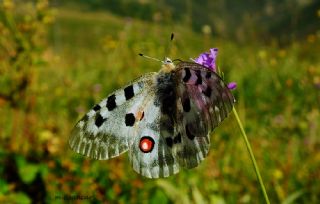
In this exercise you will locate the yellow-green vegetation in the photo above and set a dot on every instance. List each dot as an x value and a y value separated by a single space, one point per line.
55 64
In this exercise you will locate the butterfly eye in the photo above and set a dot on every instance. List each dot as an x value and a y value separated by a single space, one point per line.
146 144
167 60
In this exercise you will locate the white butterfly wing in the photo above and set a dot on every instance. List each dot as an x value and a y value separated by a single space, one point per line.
149 155
106 130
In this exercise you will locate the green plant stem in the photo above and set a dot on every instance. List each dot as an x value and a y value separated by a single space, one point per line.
251 156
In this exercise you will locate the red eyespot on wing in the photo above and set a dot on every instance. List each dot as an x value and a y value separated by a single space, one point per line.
146 144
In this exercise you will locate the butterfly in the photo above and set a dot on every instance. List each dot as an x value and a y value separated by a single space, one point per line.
164 119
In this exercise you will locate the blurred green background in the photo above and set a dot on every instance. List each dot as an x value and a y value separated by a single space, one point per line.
58 58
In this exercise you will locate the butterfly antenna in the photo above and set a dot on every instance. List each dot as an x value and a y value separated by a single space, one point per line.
170 44
166 60
172 36
148 57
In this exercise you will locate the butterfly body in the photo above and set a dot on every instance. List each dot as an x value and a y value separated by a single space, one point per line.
164 119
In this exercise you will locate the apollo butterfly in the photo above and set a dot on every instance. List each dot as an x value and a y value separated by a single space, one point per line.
163 119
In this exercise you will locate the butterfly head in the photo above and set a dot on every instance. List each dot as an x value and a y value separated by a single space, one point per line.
167 65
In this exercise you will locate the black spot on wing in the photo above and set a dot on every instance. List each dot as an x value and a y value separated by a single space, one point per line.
187 75
208 75
207 92
128 92
199 78
111 102
169 141
186 105
97 107
177 139
189 134
99 120
130 119
142 115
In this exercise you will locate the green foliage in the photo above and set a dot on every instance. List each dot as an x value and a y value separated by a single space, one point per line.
18 197
66 67
22 43
27 172
241 20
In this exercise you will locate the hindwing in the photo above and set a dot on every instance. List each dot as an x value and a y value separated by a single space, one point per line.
203 101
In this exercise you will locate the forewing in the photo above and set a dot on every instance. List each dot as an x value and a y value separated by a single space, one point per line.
107 129
204 101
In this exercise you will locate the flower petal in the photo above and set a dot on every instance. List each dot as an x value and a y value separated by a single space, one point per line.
232 85
208 59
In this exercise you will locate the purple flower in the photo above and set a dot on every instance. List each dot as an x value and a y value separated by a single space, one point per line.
232 85
208 59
